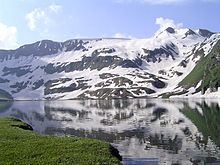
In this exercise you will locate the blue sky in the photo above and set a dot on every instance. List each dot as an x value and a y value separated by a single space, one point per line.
27 21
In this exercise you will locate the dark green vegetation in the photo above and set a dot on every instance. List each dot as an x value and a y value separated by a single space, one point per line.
19 145
5 105
207 70
5 95
208 123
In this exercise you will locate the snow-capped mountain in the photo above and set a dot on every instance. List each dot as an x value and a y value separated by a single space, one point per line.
172 63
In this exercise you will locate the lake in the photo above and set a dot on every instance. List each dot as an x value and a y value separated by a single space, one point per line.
156 131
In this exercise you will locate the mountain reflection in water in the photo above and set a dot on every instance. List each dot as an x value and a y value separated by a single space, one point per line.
172 131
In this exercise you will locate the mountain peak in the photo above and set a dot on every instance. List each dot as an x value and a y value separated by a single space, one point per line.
108 69
205 33
170 30
190 32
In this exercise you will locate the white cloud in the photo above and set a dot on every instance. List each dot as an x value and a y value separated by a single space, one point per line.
154 2
121 35
55 8
8 36
34 17
165 23
41 16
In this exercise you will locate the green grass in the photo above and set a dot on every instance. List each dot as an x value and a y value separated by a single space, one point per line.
19 146
206 70
195 75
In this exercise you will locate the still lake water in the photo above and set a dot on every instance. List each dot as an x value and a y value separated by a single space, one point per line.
161 131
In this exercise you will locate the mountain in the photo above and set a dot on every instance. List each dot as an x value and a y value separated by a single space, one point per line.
173 63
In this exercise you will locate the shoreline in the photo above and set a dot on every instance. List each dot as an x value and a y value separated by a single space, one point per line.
21 145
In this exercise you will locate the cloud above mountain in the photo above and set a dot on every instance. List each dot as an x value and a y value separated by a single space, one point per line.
8 36
39 16
122 35
165 23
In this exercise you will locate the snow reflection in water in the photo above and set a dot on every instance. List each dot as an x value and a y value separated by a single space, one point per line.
173 132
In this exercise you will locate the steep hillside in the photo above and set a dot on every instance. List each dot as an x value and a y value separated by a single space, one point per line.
206 74
113 68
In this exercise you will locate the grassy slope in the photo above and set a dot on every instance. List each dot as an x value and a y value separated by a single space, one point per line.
19 146
207 70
